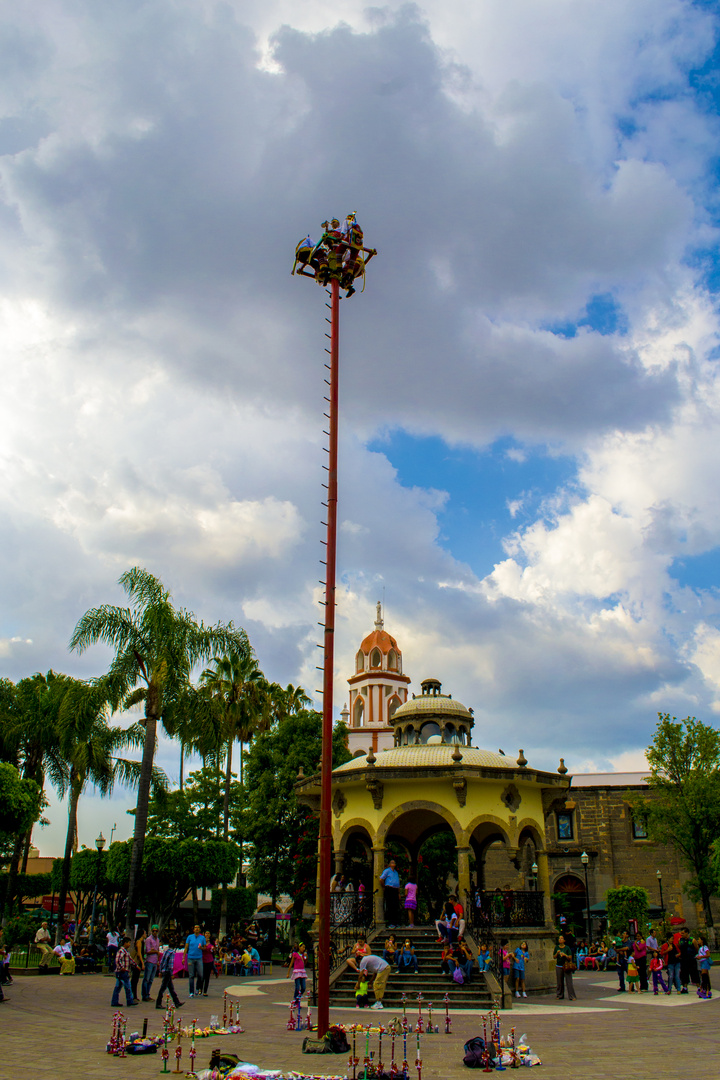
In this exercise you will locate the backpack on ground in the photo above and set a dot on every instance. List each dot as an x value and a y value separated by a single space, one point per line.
474 1050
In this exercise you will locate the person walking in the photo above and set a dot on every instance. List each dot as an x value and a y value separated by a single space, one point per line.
165 970
137 963
622 948
122 976
563 970
208 959
43 941
656 969
113 943
152 959
704 961
194 945
390 880
296 968
639 953
379 971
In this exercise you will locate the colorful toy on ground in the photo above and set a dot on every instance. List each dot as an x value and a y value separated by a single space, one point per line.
338 255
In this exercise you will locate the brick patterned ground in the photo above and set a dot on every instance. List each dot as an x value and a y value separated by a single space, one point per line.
56 1028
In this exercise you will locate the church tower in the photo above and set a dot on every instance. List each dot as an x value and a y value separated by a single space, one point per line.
377 689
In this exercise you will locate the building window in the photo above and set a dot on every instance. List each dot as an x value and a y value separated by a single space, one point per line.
565 826
375 658
392 660
359 712
359 662
639 832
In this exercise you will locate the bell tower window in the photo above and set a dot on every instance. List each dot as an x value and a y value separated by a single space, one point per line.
359 661
375 658
392 660
358 712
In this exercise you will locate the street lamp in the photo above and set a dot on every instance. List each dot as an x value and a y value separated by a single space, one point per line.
585 859
534 872
99 844
662 904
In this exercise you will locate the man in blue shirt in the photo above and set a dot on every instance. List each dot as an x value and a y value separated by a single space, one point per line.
391 884
194 945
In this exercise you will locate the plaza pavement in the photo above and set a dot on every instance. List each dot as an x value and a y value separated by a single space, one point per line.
56 1028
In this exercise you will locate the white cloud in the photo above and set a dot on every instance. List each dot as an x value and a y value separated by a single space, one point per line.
163 381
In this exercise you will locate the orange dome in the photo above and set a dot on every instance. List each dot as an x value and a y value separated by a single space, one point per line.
379 639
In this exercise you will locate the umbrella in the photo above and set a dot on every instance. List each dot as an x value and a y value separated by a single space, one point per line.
676 921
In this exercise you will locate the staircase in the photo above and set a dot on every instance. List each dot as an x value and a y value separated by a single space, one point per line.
430 981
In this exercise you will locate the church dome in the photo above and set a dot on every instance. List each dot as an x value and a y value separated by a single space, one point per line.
379 650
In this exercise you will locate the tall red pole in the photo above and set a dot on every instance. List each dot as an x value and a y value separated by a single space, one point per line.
325 843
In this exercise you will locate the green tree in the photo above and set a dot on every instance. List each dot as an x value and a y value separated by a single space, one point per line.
20 803
625 903
277 827
169 868
30 739
156 648
683 804
241 697
88 745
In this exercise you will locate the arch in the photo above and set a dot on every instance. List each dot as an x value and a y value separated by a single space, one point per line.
393 704
392 660
375 658
355 827
359 660
569 883
449 733
359 711
430 727
414 810
532 829
486 827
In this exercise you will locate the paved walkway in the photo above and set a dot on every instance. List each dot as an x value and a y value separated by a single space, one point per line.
56 1028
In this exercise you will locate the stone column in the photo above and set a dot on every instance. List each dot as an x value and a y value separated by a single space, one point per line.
378 867
339 856
543 884
463 858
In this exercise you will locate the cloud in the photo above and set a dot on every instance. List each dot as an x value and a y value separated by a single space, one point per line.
163 372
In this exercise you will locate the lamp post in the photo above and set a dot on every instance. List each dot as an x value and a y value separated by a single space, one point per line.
662 904
99 844
585 859
534 872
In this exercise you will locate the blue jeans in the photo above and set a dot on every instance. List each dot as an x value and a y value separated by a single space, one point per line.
300 985
122 978
622 966
673 971
408 963
150 973
195 971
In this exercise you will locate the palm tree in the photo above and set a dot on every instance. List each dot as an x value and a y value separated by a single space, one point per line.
156 648
289 701
238 691
30 736
88 745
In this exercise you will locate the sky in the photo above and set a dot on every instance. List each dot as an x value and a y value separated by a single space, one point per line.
530 400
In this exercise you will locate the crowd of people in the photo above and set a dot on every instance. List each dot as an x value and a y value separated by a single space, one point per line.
675 963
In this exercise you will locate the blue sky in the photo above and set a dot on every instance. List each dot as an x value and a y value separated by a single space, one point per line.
530 392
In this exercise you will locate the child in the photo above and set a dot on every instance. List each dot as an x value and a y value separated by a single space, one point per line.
633 976
297 967
704 962
656 966
362 996
484 958
521 955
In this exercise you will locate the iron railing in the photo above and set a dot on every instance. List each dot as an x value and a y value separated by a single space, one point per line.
507 909
481 928
352 915
27 956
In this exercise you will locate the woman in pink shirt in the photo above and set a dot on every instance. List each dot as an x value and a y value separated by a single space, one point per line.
411 898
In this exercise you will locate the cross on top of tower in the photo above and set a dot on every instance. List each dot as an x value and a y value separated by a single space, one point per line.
379 619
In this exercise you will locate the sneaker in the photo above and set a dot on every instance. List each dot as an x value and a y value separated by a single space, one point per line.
524 994
377 1005
655 993
179 1004
517 993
